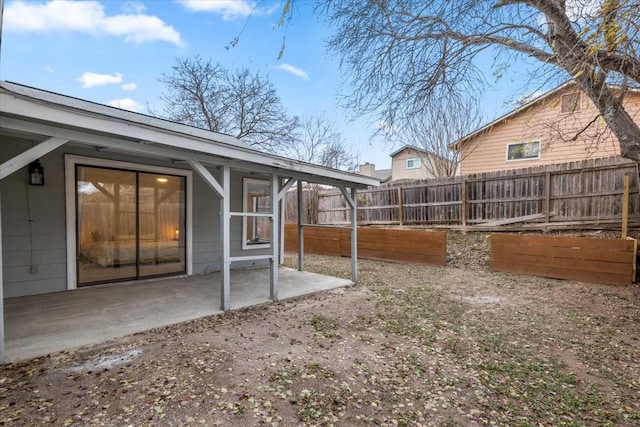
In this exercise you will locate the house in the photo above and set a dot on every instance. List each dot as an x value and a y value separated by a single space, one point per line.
410 163
91 194
559 126
369 169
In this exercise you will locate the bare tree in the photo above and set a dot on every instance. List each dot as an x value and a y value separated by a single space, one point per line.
206 95
401 56
319 142
434 129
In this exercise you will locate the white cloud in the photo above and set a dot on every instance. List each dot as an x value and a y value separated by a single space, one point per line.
293 70
126 104
92 79
129 86
134 7
228 9
87 17
48 69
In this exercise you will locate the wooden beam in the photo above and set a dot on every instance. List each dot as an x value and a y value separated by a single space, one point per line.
463 201
275 237
354 236
349 198
1 296
32 154
286 187
625 207
225 237
207 176
400 207
524 218
167 145
300 227
547 196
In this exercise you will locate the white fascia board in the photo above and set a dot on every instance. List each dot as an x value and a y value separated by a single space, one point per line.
158 151
77 104
90 122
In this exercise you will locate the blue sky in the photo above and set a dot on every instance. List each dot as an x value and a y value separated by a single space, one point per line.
113 52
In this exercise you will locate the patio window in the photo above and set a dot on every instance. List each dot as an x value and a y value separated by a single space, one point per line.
256 204
413 163
523 151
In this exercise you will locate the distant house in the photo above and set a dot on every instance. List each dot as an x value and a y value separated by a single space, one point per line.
369 169
407 163
559 126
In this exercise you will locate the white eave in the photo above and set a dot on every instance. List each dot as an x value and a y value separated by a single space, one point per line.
455 145
87 122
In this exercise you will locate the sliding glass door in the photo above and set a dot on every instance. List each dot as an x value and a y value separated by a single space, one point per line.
130 224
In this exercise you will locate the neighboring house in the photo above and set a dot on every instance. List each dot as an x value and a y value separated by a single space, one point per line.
93 194
369 169
407 163
559 126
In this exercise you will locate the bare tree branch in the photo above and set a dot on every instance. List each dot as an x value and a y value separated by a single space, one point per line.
402 57
206 95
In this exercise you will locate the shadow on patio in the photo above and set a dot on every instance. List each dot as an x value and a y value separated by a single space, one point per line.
41 324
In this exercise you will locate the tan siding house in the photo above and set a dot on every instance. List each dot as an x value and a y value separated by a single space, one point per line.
407 164
557 127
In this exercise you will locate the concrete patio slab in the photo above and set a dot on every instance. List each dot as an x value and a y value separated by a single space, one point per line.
41 324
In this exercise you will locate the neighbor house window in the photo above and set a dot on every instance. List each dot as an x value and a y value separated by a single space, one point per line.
413 163
523 150
570 103
256 199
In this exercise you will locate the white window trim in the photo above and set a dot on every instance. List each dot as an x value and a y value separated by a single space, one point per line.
412 159
245 182
70 162
506 156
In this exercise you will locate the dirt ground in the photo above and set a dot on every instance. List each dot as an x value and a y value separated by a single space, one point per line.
408 345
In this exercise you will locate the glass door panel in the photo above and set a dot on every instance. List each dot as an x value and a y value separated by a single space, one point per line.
130 225
161 220
106 215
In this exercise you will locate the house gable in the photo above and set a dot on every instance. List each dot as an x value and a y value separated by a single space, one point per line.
560 126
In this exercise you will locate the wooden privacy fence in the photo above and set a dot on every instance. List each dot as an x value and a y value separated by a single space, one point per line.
578 258
576 192
410 246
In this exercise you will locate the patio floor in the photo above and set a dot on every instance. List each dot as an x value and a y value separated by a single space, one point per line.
41 324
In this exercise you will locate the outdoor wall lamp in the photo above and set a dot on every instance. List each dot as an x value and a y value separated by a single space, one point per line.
36 173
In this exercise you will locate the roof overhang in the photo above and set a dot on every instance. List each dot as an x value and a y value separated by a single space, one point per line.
25 110
456 145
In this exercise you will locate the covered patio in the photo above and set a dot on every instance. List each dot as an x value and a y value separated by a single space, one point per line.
37 325
127 198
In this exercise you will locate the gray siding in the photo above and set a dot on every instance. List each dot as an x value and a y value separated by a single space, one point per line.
43 245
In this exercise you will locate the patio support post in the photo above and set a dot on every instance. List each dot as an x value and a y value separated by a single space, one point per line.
354 236
300 228
225 237
352 201
1 296
275 236
224 191
282 199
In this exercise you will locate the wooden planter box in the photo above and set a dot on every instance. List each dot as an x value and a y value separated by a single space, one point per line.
385 244
578 258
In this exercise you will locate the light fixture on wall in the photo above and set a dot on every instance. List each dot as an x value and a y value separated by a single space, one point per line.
177 235
36 173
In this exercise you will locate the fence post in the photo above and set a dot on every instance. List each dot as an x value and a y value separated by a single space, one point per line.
463 201
625 207
400 207
547 196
